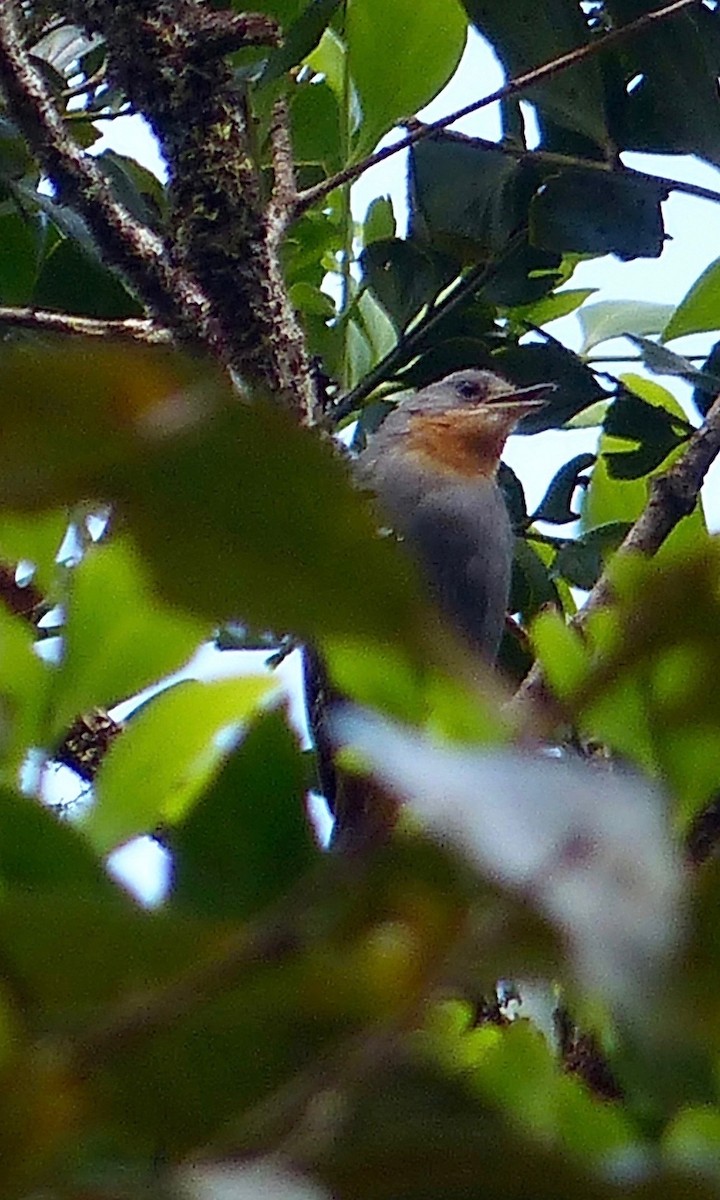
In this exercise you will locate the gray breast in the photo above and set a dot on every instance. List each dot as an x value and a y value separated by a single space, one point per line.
459 533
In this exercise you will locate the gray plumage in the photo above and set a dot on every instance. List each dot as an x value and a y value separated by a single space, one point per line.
454 523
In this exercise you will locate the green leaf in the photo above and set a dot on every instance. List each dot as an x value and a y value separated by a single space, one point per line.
379 223
532 586
704 393
315 126
136 187
613 318
246 841
699 310
71 280
115 649
40 852
593 212
525 35
402 276
466 198
35 537
656 431
551 308
300 38
23 695
609 499
427 41
155 771
582 560
19 253
674 57
556 504
576 387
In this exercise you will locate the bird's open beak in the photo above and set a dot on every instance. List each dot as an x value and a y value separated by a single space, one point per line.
522 400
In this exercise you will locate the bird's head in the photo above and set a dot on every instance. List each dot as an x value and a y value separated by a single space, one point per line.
461 423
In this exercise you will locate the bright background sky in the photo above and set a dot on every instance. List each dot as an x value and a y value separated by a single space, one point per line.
693 228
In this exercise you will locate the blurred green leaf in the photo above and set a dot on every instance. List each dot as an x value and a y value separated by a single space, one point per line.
157 769
35 537
40 852
246 841
113 650
379 223
23 695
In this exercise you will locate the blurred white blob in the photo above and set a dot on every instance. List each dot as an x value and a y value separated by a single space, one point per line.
261 1180
590 848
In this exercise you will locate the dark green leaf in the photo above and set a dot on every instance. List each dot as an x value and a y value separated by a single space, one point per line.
576 387
705 393
40 852
556 505
656 430
300 38
402 276
514 494
662 361
246 841
525 35
137 189
582 561
467 198
594 212
673 59
20 240
532 585
72 281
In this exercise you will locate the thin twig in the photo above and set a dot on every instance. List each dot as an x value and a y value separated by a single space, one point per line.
512 88
673 495
135 329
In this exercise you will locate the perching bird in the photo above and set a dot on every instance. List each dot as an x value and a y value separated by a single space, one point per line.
433 466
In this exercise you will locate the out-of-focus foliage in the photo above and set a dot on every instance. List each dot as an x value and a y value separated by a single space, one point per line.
287 1022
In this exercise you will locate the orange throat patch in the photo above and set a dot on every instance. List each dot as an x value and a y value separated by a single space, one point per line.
461 442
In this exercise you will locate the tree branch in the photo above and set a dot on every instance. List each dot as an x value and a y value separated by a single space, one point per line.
673 495
512 88
138 253
42 321
168 60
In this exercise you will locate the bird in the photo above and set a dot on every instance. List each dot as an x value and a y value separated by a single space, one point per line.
432 467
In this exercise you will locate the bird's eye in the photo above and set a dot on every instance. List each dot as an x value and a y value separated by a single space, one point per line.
467 389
